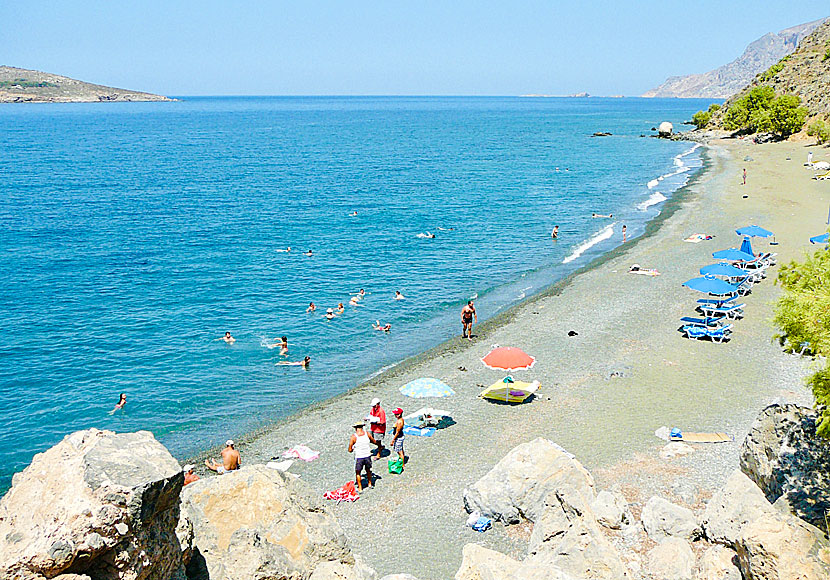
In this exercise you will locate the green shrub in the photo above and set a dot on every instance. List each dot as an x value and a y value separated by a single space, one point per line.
803 315
820 130
701 119
761 110
771 72
826 55
787 116
714 107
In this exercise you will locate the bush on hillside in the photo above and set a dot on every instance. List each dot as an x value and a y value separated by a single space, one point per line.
803 315
773 70
820 130
826 55
702 118
761 110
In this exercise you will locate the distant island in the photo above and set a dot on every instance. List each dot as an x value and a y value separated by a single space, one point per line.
20 85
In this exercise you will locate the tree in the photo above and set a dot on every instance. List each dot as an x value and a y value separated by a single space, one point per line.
761 110
820 130
701 119
803 315
786 115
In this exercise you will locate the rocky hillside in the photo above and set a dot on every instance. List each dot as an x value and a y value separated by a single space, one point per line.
805 73
19 85
725 81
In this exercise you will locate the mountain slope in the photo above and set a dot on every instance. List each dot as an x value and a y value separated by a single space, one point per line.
730 78
19 85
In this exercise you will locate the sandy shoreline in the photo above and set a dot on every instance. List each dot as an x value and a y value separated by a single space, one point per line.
627 324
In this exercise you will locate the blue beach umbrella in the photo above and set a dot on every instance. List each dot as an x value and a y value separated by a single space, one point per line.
426 387
822 239
754 231
722 269
733 255
746 246
710 285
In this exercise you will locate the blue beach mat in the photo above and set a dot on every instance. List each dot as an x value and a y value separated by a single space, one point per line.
419 431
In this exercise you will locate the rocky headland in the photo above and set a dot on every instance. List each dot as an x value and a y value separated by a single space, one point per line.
101 505
19 85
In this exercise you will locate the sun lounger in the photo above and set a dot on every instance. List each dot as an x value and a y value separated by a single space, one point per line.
701 332
822 176
731 311
719 301
708 322
745 287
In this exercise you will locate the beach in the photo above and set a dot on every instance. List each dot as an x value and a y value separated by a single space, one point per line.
605 391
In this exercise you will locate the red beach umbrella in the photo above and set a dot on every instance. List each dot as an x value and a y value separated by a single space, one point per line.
508 358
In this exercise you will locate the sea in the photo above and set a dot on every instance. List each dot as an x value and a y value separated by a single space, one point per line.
134 235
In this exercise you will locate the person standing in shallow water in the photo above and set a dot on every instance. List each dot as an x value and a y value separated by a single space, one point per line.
625 231
468 314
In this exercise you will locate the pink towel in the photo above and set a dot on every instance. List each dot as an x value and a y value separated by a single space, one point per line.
302 452
346 492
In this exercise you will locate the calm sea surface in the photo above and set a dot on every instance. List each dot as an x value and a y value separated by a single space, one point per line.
133 235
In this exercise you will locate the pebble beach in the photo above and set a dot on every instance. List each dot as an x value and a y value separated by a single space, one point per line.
604 391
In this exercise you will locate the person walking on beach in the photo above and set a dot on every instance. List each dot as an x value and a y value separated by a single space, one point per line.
744 183
625 230
468 314
397 438
360 445
230 460
809 158
555 233
377 424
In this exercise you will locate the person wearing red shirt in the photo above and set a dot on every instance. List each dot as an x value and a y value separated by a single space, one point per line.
377 420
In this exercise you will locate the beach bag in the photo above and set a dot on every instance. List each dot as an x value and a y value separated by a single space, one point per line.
395 465
482 524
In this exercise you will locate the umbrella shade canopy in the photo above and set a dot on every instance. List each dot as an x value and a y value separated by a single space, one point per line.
710 285
426 387
722 269
822 239
510 391
508 358
754 231
733 255
746 247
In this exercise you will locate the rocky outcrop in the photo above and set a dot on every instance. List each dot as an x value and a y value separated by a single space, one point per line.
725 81
611 509
739 502
19 85
718 563
333 570
671 559
517 486
261 523
783 455
98 504
663 519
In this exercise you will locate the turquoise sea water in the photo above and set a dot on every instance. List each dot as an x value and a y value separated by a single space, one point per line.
133 235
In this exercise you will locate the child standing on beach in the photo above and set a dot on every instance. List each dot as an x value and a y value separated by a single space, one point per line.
744 183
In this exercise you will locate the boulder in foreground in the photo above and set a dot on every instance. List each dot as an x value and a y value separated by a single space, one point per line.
99 504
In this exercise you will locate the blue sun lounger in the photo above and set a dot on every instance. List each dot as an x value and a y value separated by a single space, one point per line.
732 311
701 333
708 322
719 301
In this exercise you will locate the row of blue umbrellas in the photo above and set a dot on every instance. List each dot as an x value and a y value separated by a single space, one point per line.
709 283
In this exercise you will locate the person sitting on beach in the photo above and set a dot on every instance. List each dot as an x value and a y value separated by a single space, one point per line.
230 460
227 338
360 445
398 295
599 215
340 308
311 307
122 400
299 363
382 327
555 233
397 438
377 424
308 253
189 476
636 269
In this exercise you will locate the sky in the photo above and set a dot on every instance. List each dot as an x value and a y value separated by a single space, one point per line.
354 47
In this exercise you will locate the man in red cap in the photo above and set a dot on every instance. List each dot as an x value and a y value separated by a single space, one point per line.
377 422
397 438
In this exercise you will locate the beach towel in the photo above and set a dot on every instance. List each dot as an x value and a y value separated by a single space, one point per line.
280 465
302 452
346 492
696 238
419 431
702 437
482 524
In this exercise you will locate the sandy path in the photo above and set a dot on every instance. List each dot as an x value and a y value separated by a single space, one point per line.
415 522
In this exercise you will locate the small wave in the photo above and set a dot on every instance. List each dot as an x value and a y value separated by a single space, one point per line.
653 183
600 236
653 199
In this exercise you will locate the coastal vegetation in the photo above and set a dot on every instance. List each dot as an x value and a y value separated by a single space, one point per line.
773 70
820 130
803 315
760 110
702 118
25 84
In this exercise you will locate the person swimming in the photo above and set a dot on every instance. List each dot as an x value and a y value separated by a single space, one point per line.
227 338
354 301
353 214
299 363
329 313
288 249
311 307
555 233
382 327
398 295
599 215
426 235
340 308
122 400
308 253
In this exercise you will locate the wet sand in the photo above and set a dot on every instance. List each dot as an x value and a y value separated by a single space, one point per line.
627 325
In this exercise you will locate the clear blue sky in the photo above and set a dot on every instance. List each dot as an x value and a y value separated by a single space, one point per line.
447 47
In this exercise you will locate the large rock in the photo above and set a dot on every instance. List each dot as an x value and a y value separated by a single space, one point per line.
479 563
261 523
672 559
610 509
783 455
98 503
663 519
718 563
782 547
517 486
334 570
739 502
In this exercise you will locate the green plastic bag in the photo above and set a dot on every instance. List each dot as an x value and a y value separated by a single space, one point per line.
395 465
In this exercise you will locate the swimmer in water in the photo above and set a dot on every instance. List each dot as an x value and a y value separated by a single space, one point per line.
555 233
446 229
361 293
382 327
283 344
353 214
122 400
599 215
398 295
227 338
288 249
300 363
354 300
311 307
308 253
329 314
340 308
